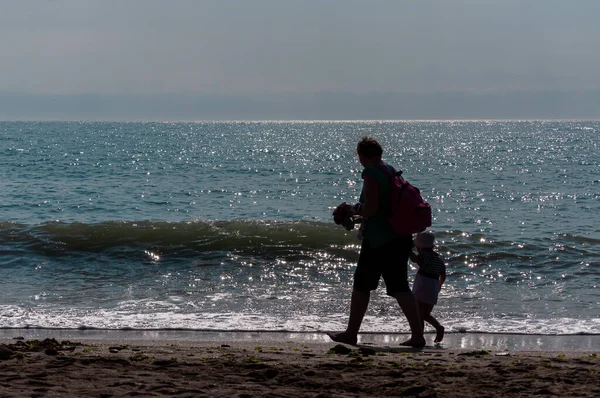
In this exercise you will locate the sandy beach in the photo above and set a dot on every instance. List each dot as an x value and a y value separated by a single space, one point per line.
277 368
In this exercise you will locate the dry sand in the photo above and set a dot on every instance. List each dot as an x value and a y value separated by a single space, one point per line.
102 368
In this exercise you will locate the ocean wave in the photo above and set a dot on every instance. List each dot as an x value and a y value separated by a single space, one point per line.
260 237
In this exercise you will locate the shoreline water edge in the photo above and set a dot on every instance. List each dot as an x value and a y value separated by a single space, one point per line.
452 340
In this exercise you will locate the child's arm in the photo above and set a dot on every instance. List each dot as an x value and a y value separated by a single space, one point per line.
442 279
415 258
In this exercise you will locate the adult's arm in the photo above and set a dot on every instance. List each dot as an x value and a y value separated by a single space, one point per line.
371 191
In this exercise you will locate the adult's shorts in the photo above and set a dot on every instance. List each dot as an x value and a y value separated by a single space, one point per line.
389 261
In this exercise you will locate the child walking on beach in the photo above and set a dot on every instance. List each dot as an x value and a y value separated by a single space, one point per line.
429 280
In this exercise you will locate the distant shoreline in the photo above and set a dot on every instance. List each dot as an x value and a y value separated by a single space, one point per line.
324 105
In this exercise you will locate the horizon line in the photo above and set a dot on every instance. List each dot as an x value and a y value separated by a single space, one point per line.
420 120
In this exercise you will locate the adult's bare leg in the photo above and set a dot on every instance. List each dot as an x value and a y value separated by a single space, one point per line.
358 308
408 304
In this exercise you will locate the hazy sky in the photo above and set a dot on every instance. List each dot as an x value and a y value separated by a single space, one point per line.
288 50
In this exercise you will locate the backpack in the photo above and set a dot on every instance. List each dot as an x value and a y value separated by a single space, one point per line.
409 213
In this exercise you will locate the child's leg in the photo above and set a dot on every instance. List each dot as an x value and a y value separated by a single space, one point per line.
424 312
439 329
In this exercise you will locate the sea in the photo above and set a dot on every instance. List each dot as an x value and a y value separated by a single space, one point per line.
227 226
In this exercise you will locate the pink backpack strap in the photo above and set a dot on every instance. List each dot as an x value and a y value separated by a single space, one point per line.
389 173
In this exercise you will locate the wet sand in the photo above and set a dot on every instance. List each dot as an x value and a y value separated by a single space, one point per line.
251 364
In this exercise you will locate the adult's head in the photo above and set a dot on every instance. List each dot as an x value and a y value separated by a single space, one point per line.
369 151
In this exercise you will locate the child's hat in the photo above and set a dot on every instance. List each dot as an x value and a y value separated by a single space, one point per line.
425 240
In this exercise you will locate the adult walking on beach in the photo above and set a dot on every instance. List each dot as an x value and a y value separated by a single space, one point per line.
382 253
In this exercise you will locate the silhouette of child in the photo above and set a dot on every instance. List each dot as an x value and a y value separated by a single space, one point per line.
429 280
